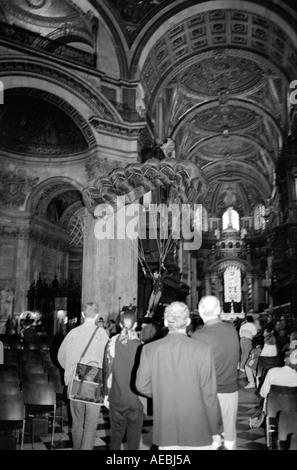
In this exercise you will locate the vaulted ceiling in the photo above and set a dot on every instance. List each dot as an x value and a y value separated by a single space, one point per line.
222 78
215 76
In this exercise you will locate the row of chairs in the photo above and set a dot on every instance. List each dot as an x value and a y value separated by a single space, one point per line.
264 364
31 361
280 399
18 409
15 342
31 389
11 379
287 430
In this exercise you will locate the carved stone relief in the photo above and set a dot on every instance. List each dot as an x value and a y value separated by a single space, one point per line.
14 187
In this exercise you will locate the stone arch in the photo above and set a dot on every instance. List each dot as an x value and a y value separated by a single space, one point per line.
257 109
220 266
75 35
154 30
47 190
241 171
65 109
86 100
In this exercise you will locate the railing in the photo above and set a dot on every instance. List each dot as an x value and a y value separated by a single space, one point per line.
240 254
283 309
22 37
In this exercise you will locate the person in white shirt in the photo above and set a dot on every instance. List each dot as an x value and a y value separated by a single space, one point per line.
270 347
285 376
247 331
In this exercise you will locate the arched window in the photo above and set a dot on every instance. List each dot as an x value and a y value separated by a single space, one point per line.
76 228
230 219
259 217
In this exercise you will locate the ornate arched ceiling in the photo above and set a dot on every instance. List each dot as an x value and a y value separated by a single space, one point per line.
217 84
215 76
54 19
36 122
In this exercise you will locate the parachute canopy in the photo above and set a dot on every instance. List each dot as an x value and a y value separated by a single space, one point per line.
171 182
183 182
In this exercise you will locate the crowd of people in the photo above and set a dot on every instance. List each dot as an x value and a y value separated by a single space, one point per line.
185 377
183 371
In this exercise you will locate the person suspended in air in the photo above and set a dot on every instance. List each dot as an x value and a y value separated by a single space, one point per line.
158 278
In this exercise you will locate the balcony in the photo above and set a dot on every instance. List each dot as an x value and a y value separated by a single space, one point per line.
23 38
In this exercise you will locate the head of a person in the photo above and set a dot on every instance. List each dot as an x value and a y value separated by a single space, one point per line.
250 318
127 323
257 341
28 322
195 324
269 328
146 321
209 308
293 335
291 359
282 333
91 311
156 274
150 332
269 338
176 316
127 320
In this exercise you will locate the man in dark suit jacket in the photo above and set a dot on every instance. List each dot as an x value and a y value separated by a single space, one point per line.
224 341
179 374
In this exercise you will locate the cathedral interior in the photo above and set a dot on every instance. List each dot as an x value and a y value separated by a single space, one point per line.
90 88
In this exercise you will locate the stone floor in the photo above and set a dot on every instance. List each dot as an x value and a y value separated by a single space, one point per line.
247 439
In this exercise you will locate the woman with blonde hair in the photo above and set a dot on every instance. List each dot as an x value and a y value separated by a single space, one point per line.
125 408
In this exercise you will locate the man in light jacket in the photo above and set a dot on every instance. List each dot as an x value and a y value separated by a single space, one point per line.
85 416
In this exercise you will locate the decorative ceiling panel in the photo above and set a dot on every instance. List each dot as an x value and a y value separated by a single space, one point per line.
217 30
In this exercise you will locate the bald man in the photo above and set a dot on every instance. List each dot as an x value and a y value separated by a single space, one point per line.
224 341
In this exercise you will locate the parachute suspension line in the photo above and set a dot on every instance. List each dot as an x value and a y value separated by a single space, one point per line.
136 247
141 249
142 257
170 196
168 245
162 255
171 242
154 219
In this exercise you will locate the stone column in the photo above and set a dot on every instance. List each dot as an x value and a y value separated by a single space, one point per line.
214 285
249 293
22 281
109 271
207 285
256 295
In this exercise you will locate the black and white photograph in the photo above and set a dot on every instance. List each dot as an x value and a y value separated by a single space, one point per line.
148 228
